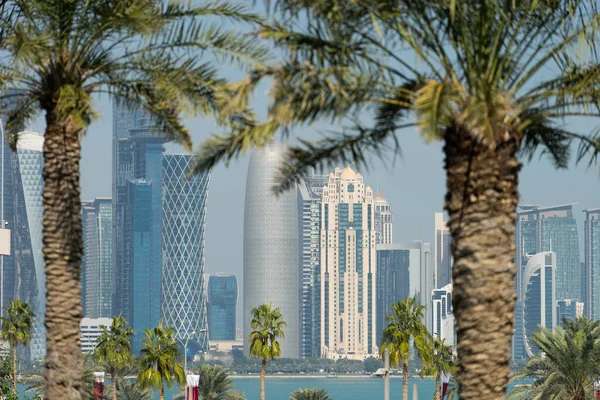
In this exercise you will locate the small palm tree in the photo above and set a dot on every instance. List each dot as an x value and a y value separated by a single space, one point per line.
438 361
214 384
310 394
267 327
114 349
567 365
131 390
16 328
405 326
58 55
158 363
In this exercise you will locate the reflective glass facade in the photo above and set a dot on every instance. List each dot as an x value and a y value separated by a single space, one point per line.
222 300
183 229
442 252
592 263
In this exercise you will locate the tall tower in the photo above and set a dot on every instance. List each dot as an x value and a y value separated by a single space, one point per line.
383 220
310 191
348 268
592 263
271 247
442 254
183 229
444 324
222 302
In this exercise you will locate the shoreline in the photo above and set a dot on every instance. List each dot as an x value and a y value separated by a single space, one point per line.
298 376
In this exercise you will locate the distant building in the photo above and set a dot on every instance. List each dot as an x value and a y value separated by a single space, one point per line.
271 266
444 324
97 257
539 297
222 302
592 263
183 228
442 253
223 350
398 277
383 220
348 268
91 329
568 309
310 191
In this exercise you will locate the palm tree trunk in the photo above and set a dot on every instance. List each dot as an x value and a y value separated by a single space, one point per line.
437 394
14 351
114 383
263 371
161 392
405 380
481 203
62 255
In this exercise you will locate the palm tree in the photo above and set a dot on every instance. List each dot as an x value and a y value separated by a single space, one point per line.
438 361
131 390
567 365
158 363
493 80
214 384
36 384
58 54
405 326
16 328
267 327
310 394
114 349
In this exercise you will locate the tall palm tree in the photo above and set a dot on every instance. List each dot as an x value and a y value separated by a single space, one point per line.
405 326
158 363
114 349
267 328
57 55
567 365
214 384
310 394
439 361
16 328
491 79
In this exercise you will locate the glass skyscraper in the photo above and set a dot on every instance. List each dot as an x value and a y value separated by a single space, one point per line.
310 191
592 263
222 300
271 272
383 220
183 229
442 253
97 240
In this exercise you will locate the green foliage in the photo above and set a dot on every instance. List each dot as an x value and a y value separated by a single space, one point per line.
114 346
493 70
568 363
438 358
16 326
372 364
158 362
405 324
267 327
6 379
310 394
129 390
37 385
214 384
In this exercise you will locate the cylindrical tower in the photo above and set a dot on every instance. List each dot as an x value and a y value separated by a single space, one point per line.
271 269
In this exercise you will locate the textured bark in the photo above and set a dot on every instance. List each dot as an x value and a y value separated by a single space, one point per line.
437 394
405 380
114 383
263 371
62 255
14 351
162 392
481 203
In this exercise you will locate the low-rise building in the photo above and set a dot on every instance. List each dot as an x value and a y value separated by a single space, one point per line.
91 329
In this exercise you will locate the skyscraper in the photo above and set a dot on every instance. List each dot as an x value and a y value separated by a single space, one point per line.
444 324
442 254
183 228
592 263
310 191
541 229
348 268
97 242
568 309
398 277
222 301
271 273
539 297
31 160
383 220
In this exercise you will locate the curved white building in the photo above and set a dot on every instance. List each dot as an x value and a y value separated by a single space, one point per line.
271 267
539 297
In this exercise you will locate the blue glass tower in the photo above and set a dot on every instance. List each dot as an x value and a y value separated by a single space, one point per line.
183 222
222 300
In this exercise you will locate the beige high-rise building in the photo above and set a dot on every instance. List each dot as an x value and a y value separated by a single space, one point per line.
348 268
